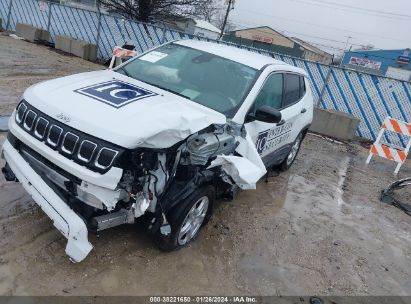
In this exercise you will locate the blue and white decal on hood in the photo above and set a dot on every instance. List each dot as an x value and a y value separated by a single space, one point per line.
115 93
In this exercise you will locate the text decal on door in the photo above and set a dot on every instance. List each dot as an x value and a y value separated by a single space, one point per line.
272 138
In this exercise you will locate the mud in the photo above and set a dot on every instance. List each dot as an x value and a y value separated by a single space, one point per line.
23 64
316 229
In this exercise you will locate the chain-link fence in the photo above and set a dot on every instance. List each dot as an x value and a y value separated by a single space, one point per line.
370 98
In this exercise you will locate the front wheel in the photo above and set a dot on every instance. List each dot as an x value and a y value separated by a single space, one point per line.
186 219
288 161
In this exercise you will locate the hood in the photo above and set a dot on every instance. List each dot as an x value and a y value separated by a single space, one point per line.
120 109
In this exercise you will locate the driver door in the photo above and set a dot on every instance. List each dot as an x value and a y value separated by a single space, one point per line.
271 139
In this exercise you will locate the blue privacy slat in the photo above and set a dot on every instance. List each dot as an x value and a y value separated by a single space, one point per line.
4 8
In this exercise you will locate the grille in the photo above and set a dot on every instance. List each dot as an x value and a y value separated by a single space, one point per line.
82 148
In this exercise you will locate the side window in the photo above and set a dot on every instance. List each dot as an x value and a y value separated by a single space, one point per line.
271 93
291 89
302 86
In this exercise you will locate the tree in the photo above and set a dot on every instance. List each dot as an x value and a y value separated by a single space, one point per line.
213 11
208 10
337 61
366 47
149 10
219 22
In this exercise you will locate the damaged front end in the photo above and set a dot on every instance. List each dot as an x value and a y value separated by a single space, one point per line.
155 181
152 181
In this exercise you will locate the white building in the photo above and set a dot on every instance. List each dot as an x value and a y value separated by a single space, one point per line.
192 26
205 29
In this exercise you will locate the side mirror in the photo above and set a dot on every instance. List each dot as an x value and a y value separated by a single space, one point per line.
267 114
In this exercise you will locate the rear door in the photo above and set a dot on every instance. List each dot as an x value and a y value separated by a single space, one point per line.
292 108
281 91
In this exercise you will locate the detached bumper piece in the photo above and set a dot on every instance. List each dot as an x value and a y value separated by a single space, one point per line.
388 195
8 174
63 217
4 123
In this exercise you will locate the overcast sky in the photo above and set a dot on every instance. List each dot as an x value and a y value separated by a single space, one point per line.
328 23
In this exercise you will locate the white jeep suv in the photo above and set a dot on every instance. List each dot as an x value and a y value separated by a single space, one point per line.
159 137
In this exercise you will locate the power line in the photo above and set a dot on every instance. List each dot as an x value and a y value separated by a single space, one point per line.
296 33
326 39
340 49
361 8
327 46
364 12
318 25
317 37
356 51
332 47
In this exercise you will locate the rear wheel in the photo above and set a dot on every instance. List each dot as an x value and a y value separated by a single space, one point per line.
186 219
289 160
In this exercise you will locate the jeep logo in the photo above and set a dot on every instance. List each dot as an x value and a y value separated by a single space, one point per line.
63 118
115 93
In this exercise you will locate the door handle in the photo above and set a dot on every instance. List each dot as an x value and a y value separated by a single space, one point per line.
303 110
281 122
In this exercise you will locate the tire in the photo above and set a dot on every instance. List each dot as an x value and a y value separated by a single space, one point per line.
184 216
292 155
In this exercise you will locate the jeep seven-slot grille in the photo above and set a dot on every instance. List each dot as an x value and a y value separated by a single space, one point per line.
82 148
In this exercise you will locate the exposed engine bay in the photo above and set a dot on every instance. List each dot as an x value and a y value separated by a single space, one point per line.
154 181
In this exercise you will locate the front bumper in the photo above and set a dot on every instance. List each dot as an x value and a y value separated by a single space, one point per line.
63 217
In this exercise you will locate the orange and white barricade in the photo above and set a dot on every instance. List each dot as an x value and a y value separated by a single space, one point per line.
388 151
120 53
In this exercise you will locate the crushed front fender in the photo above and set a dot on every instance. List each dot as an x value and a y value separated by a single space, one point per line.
245 170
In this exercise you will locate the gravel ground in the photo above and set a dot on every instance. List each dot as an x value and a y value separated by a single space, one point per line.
317 229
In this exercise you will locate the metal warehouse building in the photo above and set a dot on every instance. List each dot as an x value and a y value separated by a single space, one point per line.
390 63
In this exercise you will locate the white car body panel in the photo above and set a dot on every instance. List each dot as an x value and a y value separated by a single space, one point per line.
243 172
246 170
130 126
254 60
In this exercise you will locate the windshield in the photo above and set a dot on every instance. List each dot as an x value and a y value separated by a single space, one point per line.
215 82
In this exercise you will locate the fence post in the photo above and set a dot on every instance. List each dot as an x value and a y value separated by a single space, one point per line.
327 79
9 15
49 17
98 26
163 40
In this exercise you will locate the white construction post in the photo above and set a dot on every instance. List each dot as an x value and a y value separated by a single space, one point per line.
377 141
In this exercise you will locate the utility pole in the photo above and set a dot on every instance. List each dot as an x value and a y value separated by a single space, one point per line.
348 41
345 50
226 16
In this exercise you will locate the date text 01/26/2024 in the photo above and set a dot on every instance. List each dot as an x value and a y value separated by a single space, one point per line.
203 299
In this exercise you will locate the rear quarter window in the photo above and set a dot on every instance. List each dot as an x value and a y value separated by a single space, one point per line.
291 89
302 86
